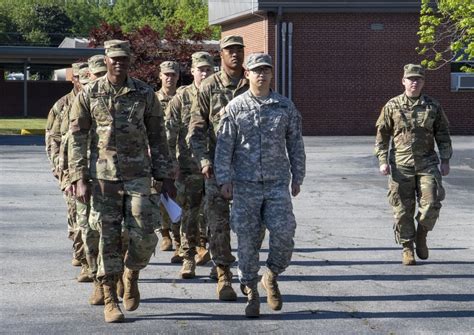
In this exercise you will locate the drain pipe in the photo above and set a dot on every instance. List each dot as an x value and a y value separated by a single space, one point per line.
283 58
25 88
290 59
278 50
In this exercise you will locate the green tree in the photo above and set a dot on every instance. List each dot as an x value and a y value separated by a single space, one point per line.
446 32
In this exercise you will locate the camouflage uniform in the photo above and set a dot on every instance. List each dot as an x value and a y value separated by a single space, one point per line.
127 146
411 128
251 153
215 93
190 183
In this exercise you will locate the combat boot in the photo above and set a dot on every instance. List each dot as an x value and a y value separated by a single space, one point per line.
131 295
97 296
176 258
203 256
189 268
421 248
252 309
225 291
269 283
408 256
76 262
166 244
112 312
213 273
84 274
120 288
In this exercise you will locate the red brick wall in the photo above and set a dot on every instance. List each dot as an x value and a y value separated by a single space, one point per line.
41 97
344 72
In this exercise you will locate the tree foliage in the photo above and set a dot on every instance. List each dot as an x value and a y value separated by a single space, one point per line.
447 33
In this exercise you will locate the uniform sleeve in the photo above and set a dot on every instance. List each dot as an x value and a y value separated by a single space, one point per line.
53 136
384 127
199 126
155 125
81 121
172 125
226 137
295 147
442 136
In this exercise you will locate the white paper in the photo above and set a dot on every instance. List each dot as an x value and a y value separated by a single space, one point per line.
173 209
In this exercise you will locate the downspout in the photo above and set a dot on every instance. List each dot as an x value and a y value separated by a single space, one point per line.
290 59
278 50
283 58
25 88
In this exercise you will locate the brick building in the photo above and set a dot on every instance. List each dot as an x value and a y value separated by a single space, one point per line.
340 61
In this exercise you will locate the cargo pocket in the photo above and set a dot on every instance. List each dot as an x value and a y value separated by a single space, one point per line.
393 195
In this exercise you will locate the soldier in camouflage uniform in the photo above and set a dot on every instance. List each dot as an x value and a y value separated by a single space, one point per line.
169 75
411 123
214 94
119 119
53 145
259 152
190 181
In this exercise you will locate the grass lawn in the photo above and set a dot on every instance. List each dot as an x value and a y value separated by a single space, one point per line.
14 125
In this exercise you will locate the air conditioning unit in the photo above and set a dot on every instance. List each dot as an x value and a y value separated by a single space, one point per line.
465 81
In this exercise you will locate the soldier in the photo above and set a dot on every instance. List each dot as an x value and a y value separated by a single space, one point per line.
190 182
411 123
259 151
53 144
169 75
214 94
119 119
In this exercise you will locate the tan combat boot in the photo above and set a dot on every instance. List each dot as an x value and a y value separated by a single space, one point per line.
97 296
213 273
421 248
112 312
76 262
269 283
84 274
131 295
225 291
166 244
203 256
189 268
176 258
120 288
408 256
252 309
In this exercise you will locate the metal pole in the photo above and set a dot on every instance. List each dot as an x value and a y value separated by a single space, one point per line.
283 58
290 58
25 88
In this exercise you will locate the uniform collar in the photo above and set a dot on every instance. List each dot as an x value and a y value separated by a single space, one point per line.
227 81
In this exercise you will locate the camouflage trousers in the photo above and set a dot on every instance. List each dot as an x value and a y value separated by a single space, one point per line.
190 194
256 206
217 217
408 187
71 215
127 201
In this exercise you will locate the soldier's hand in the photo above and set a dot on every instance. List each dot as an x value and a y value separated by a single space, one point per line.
385 169
226 191
444 167
295 189
207 172
83 191
69 190
168 188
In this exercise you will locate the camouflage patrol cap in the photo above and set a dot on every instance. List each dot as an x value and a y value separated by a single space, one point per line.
202 58
257 59
97 64
227 41
413 70
169 67
77 66
84 75
117 48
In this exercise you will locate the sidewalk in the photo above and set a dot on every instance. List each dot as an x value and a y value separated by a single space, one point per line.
346 275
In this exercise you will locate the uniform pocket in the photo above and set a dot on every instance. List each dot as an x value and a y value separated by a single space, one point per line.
393 194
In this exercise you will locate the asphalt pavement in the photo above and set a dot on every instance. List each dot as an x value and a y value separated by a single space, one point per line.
345 277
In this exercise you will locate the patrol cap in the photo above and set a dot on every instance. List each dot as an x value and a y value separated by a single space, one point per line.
202 58
97 64
169 67
413 70
257 59
227 41
117 48
84 75
77 66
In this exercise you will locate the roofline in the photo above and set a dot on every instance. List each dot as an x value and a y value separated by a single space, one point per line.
45 55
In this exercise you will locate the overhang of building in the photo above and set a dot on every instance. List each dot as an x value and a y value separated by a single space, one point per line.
225 11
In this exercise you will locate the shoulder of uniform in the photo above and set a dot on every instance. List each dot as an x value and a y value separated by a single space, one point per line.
141 86
395 101
210 81
430 100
